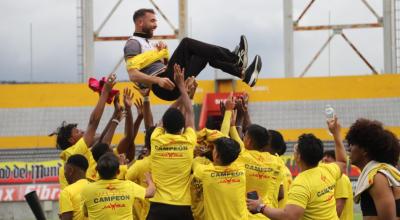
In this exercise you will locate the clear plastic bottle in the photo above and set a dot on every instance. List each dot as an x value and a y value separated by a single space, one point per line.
329 112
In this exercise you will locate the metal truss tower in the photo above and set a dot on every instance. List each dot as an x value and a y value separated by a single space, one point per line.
387 22
88 36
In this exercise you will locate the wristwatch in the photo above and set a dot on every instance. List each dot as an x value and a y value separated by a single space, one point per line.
260 208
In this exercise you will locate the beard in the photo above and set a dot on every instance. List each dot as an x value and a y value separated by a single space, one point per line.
148 31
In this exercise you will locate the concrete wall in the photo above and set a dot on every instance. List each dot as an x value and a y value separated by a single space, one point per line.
21 210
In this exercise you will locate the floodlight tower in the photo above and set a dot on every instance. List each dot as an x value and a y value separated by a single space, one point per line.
391 35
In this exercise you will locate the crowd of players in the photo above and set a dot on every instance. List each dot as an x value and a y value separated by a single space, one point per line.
232 173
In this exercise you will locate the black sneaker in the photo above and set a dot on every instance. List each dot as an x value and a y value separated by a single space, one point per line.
251 73
241 52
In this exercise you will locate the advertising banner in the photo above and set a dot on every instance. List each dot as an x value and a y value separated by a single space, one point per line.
29 172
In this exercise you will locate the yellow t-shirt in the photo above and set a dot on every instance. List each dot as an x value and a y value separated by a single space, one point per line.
70 199
196 192
313 190
79 147
136 174
264 174
344 190
286 182
224 190
171 161
111 199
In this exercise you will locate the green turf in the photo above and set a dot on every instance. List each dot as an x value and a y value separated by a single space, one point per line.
357 216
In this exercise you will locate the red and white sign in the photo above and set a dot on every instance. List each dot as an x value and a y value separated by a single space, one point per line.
45 192
29 172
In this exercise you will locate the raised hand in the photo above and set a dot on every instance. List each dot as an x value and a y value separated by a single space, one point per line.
110 83
191 86
179 76
233 117
222 107
161 45
334 126
230 102
122 159
139 107
128 96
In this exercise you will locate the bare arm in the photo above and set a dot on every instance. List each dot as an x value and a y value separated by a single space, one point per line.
95 116
187 104
136 76
382 195
140 112
246 115
240 115
108 133
340 205
290 212
340 152
126 144
147 114
151 188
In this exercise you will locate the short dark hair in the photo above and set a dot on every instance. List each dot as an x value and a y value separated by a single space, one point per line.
99 149
329 153
380 144
228 150
278 144
310 149
79 161
173 120
258 135
142 12
108 166
63 133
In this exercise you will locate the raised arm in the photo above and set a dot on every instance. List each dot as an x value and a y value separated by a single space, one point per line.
95 116
108 133
147 114
334 127
246 115
229 107
126 144
187 104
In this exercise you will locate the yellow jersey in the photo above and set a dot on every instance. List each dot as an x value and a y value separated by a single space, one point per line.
171 161
70 199
313 190
196 191
79 147
136 174
111 199
286 182
264 171
224 190
344 190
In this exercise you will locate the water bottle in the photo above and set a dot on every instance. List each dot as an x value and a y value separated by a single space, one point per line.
329 112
